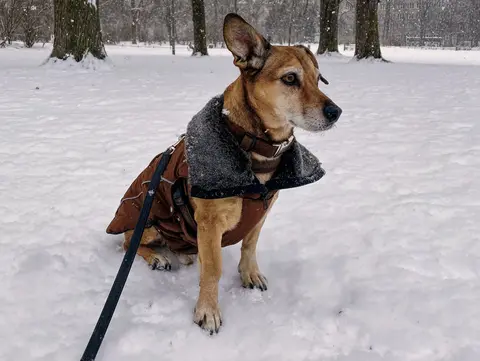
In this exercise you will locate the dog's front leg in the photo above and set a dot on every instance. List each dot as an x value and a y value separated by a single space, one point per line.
248 267
214 217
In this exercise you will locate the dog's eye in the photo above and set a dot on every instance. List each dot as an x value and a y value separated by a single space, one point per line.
290 79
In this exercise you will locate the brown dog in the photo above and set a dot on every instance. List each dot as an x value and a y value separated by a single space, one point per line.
276 91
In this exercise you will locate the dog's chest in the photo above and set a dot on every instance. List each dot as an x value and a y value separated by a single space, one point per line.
254 208
262 177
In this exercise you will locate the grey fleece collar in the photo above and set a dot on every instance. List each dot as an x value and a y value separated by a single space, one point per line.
219 168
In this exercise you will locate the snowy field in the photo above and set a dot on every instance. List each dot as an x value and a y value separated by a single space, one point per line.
380 260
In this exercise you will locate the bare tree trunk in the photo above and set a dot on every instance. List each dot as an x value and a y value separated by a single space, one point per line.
475 22
216 37
77 30
404 22
305 9
290 21
423 18
170 4
328 42
367 41
422 33
174 27
387 25
134 13
199 32
235 6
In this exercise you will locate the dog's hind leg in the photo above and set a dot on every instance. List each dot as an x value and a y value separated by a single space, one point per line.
248 267
149 251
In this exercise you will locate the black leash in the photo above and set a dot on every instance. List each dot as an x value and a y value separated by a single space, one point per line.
106 316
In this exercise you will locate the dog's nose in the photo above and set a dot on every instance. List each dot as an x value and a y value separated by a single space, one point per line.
332 112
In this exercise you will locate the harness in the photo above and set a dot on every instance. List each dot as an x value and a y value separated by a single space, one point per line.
272 153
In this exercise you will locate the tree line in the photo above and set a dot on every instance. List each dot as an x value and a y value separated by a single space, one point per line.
198 23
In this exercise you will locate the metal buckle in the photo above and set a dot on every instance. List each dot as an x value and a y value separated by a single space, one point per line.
172 148
282 146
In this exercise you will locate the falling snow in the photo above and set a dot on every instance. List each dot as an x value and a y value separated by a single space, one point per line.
377 261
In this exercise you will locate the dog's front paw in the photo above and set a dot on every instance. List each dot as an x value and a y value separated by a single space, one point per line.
207 315
253 279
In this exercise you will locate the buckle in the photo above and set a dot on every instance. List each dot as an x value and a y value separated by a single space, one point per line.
283 146
173 147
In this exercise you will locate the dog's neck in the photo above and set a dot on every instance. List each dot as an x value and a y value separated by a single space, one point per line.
241 113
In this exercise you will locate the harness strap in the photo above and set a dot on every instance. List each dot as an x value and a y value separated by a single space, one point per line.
182 203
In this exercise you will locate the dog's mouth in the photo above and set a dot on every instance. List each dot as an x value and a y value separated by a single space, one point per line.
328 126
314 127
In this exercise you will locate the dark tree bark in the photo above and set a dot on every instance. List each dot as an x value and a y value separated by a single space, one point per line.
367 41
199 32
291 20
134 12
328 42
387 24
423 11
475 22
171 26
77 30
216 34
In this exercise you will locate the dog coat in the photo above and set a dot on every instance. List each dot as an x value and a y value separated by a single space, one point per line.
209 163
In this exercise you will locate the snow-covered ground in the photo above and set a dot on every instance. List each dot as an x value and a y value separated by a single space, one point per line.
380 260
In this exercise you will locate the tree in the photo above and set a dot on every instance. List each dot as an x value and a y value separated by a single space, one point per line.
36 14
199 33
452 23
387 23
171 28
77 30
475 22
10 19
216 23
329 11
135 12
291 21
367 40
424 8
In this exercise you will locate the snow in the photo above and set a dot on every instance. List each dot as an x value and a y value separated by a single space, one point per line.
88 62
428 56
380 260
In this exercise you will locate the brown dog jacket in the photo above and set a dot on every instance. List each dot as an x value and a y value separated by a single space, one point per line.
210 163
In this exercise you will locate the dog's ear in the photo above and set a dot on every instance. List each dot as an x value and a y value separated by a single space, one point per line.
249 48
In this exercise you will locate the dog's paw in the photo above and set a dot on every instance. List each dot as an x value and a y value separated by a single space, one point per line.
207 316
253 279
159 262
185 259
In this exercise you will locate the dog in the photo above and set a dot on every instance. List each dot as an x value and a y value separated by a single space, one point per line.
225 174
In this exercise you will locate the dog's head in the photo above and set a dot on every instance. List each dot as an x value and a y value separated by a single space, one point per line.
281 81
